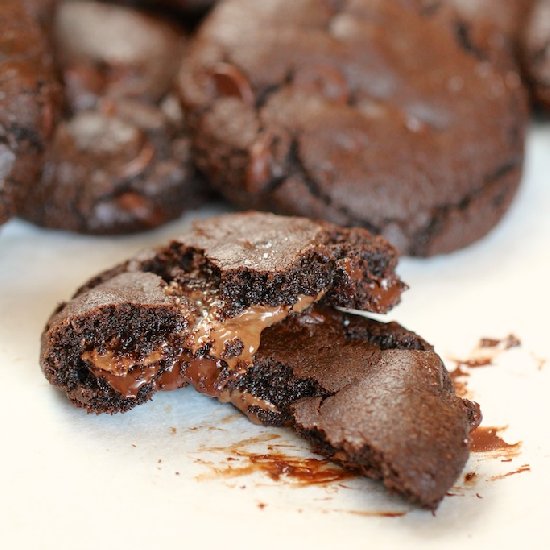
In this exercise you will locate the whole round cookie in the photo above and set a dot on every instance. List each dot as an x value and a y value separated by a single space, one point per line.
537 52
119 161
364 113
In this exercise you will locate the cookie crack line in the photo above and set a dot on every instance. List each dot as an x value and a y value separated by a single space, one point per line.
462 33
298 167
422 238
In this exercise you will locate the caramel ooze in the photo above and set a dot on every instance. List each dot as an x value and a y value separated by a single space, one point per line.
127 375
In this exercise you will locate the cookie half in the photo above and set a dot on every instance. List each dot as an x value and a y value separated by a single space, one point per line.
372 396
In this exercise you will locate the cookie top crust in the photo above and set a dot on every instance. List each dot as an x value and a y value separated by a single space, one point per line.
255 258
314 108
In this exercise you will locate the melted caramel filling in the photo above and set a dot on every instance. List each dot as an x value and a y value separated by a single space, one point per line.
246 327
127 375
119 365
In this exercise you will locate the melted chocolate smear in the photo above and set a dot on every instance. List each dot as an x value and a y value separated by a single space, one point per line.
485 439
276 465
510 341
523 468
470 478
458 377
298 470
487 350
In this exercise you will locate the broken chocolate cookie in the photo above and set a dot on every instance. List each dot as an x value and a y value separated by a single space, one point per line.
230 307
213 290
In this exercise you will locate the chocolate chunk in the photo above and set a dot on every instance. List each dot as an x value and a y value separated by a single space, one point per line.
332 117
29 99
215 289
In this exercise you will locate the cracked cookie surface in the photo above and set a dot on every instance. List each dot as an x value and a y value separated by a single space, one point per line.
372 396
315 108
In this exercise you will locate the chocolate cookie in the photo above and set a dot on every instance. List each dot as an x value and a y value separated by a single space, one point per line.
29 99
315 108
537 52
120 160
230 308
204 300
369 395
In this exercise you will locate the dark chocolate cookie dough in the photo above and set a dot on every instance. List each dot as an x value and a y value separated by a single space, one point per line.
29 99
233 308
537 52
364 113
120 160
